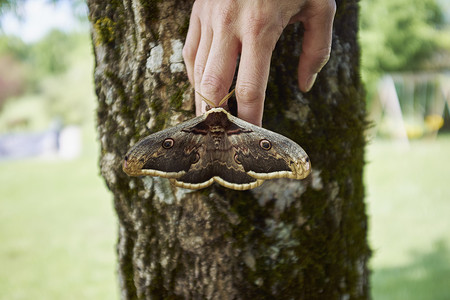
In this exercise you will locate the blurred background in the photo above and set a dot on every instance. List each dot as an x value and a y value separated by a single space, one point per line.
57 223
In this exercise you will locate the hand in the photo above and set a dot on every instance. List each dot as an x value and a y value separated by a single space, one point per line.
220 30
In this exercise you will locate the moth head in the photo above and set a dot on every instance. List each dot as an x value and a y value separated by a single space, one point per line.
300 163
210 104
303 167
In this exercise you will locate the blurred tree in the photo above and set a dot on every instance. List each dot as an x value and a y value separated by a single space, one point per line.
14 46
50 54
6 5
399 35
48 73
12 74
284 240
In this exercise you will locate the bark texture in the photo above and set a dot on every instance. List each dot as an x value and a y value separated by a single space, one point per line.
284 240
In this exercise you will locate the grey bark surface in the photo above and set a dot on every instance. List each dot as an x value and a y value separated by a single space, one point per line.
284 240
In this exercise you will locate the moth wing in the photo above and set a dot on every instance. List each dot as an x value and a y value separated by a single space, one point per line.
265 154
168 153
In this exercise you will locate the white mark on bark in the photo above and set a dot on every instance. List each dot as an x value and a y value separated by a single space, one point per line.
163 191
109 97
316 182
296 112
122 124
285 191
361 268
155 59
192 244
108 163
174 119
103 139
151 123
197 267
281 233
345 297
141 266
259 281
249 260
164 260
122 251
131 184
176 59
334 190
140 27
148 182
181 193
148 185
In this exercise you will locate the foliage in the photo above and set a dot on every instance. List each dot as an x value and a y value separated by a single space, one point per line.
400 35
57 76
6 5
45 57
49 55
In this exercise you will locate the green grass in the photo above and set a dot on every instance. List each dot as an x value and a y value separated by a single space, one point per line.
57 230
408 196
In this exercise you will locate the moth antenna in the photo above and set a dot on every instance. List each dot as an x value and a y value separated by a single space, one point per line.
226 98
209 102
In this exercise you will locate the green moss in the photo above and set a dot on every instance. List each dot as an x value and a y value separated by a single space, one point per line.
152 15
176 100
184 28
161 115
105 29
118 85
151 8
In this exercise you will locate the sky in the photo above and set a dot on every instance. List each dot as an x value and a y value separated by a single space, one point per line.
38 17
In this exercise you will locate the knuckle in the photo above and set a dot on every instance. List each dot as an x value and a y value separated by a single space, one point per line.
327 9
256 25
332 7
319 58
321 54
188 52
262 27
212 86
248 93
197 7
226 15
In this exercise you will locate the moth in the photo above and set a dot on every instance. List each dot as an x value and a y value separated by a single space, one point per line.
217 147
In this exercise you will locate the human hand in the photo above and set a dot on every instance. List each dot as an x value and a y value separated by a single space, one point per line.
221 30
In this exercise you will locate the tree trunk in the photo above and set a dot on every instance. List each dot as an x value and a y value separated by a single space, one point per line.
284 240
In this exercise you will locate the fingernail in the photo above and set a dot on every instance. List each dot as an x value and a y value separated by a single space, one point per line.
310 82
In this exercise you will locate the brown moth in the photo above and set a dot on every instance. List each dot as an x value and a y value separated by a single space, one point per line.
217 147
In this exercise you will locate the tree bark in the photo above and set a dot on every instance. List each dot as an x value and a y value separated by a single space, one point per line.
284 240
